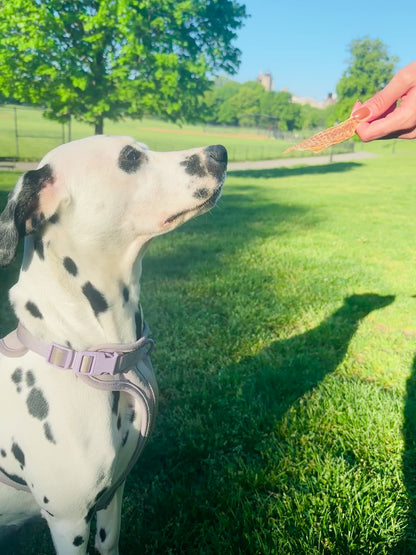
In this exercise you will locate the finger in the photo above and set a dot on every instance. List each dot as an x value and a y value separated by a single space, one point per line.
372 131
398 86
398 121
408 135
392 125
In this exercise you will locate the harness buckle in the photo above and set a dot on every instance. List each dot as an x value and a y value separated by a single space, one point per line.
83 362
95 362
60 356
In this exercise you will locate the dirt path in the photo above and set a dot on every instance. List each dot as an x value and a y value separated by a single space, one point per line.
306 160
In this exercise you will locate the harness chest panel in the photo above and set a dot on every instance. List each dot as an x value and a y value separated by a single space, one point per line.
121 367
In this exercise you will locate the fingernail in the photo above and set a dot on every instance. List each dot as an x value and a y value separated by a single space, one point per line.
361 113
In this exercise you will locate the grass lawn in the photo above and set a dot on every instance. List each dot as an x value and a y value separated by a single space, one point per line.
285 329
38 135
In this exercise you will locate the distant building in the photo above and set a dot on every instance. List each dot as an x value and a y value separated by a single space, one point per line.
266 80
330 100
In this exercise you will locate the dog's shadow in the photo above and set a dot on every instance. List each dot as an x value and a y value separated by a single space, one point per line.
235 411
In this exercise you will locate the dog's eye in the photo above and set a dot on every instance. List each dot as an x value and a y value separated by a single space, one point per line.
130 159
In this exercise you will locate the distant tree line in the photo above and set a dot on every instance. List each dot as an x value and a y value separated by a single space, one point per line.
250 105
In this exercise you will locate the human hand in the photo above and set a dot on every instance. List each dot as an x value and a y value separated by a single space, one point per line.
384 116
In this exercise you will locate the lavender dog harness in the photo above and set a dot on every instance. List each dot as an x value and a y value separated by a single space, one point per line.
108 367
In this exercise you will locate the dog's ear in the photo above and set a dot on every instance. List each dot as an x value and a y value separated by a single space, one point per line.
33 201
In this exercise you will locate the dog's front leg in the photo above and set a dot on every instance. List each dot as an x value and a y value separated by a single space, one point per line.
108 525
69 538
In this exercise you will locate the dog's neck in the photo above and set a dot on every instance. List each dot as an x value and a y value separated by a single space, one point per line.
85 299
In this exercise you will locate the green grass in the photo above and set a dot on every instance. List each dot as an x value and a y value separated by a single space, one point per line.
38 135
285 334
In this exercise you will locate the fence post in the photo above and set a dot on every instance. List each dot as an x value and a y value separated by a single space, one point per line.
16 135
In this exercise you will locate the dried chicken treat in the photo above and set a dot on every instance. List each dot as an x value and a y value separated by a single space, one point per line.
329 137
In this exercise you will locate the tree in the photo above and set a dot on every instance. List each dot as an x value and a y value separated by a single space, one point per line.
370 68
213 101
279 106
93 59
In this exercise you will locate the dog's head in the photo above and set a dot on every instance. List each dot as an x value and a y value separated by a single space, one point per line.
111 190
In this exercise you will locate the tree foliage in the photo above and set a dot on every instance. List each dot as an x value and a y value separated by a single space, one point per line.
109 58
249 104
370 68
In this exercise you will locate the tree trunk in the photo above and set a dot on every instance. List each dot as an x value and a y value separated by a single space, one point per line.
99 126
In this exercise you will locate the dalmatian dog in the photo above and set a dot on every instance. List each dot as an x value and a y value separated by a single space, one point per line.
71 420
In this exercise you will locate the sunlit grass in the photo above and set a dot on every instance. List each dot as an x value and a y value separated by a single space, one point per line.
285 337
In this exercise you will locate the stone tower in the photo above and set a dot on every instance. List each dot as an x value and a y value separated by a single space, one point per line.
266 80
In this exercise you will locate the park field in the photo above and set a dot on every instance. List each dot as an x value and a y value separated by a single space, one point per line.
37 135
285 331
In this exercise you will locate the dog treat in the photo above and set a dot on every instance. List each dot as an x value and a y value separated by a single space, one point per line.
329 137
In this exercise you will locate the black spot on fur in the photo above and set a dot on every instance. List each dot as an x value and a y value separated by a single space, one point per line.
118 422
124 440
132 416
89 515
36 220
54 219
30 378
18 455
17 375
95 298
103 534
28 200
48 433
13 477
33 309
193 166
78 540
130 159
3 453
91 511
116 399
100 494
45 499
139 322
201 193
70 266
37 404
38 244
126 294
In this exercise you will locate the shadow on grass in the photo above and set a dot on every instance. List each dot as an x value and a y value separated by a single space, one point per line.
273 173
194 490
183 254
408 545
206 457
243 215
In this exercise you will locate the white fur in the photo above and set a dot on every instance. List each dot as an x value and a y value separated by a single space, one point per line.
106 219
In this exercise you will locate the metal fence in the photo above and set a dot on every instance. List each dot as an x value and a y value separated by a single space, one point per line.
18 128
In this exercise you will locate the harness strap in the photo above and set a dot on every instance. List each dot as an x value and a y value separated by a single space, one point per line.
105 359
116 367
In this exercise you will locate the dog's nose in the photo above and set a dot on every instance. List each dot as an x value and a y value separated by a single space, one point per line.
217 153
217 159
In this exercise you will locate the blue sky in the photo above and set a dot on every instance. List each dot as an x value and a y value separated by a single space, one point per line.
305 44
